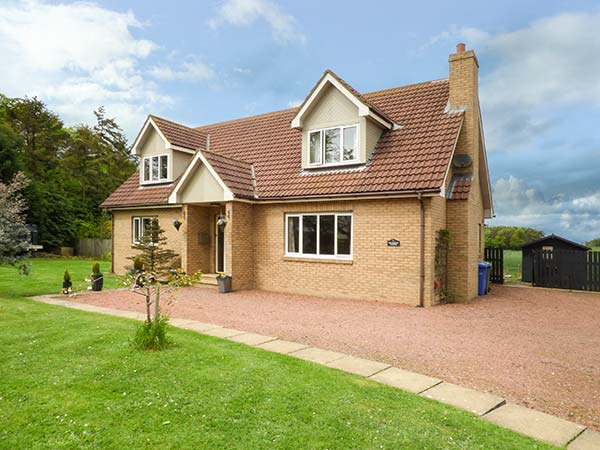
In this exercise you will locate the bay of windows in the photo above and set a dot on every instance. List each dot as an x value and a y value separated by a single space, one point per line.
156 168
327 235
332 146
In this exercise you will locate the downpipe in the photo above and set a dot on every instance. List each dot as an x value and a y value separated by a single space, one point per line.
422 252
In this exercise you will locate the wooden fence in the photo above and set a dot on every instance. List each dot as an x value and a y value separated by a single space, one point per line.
95 248
566 269
495 256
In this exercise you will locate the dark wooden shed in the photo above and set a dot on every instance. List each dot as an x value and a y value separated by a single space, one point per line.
545 244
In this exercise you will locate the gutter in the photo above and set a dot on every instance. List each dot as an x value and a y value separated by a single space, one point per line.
422 253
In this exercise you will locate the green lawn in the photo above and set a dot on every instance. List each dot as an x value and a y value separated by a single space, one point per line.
69 379
513 265
47 276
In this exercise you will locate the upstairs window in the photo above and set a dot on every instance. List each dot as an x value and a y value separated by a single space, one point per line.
333 146
156 169
323 235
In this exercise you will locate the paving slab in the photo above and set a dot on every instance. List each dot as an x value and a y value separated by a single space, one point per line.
222 332
358 366
181 323
535 424
405 380
251 338
317 355
588 440
281 346
198 326
473 401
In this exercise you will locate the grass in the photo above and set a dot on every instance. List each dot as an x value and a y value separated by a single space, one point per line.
71 379
47 276
513 265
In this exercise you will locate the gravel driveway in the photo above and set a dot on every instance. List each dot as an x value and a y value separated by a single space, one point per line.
536 347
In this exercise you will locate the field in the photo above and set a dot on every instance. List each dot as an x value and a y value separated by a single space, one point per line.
512 265
70 379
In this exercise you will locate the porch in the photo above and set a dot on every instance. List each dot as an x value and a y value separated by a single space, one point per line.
217 237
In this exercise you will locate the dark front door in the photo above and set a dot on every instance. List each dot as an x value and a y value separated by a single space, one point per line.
220 249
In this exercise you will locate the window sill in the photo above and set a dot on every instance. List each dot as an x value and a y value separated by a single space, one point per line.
318 260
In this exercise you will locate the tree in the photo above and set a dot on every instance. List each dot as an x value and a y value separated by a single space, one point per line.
593 243
14 234
151 268
510 237
72 170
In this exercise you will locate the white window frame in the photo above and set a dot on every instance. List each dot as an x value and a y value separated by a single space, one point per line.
159 179
140 220
341 162
335 255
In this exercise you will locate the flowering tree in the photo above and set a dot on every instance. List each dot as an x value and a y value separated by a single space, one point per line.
14 234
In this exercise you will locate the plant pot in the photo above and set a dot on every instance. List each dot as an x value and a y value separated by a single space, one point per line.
224 283
97 282
66 286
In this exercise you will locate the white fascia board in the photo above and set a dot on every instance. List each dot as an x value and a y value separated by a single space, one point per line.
363 110
149 122
182 149
173 197
443 186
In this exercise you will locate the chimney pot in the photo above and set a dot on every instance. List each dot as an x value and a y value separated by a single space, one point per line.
460 47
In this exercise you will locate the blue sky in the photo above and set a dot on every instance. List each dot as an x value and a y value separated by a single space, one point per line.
199 62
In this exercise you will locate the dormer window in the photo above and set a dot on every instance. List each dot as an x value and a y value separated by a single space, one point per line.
333 146
155 169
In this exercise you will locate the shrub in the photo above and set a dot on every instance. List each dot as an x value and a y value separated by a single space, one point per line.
137 264
67 276
152 336
96 269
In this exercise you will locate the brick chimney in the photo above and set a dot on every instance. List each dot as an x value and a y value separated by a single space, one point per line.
464 93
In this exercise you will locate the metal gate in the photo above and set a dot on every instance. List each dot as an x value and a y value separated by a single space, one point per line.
495 256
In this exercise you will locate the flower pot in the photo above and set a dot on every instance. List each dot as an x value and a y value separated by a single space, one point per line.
66 287
224 283
97 282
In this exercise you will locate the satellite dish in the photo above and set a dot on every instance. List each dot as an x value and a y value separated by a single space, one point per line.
462 161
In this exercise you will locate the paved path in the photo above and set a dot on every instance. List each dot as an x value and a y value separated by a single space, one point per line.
492 408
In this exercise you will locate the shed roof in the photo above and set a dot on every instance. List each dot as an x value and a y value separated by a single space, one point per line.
557 238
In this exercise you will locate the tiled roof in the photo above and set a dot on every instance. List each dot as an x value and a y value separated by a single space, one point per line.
237 175
460 185
130 193
180 135
412 158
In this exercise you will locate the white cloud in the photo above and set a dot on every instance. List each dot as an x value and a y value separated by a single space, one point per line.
246 12
294 102
517 203
535 71
188 71
79 56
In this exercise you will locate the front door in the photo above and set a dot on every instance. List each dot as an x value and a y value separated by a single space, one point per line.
220 256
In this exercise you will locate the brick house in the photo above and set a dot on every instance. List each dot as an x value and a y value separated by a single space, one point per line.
342 196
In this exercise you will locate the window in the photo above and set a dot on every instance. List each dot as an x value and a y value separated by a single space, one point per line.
142 226
327 235
333 146
156 168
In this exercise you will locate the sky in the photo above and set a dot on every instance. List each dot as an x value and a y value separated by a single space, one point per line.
198 62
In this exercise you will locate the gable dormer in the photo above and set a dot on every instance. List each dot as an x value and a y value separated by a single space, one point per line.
165 149
339 127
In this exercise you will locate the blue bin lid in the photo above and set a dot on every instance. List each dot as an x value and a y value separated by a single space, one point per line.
484 264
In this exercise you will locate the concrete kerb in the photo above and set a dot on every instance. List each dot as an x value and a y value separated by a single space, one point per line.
494 409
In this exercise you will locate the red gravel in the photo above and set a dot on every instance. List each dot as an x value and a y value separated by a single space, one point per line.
536 347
